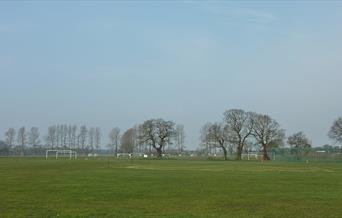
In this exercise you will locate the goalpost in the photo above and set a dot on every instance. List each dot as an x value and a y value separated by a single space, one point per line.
70 153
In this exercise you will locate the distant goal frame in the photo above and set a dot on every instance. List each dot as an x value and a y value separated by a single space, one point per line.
71 154
257 156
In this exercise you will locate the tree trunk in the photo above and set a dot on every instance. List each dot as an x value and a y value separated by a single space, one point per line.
264 153
239 152
150 150
224 152
159 152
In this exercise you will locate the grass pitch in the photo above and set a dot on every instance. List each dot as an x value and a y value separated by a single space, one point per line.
33 187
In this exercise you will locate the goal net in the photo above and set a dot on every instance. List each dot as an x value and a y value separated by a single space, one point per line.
61 153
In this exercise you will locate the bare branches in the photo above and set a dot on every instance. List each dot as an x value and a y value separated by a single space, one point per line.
33 137
83 137
218 135
22 139
51 137
10 137
180 137
128 140
91 138
299 143
157 133
335 132
266 132
239 126
97 138
240 129
299 140
114 138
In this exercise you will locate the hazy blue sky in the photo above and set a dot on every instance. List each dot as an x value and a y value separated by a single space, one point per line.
112 64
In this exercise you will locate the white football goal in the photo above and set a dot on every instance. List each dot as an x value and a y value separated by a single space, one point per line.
256 156
61 153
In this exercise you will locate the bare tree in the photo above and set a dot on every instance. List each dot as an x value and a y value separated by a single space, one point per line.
335 132
217 133
114 137
10 137
64 135
91 138
205 139
267 133
51 137
298 139
157 133
69 136
21 139
58 134
33 137
74 136
83 137
239 126
97 138
140 147
128 141
299 142
180 137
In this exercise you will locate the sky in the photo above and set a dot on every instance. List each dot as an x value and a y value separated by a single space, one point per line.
116 63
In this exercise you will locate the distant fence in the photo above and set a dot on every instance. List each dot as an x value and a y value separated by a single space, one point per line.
311 154
284 154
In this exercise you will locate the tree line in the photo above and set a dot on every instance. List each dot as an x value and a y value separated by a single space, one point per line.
238 132
59 136
86 140
153 135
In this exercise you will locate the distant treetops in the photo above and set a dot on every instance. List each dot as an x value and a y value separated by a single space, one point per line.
237 132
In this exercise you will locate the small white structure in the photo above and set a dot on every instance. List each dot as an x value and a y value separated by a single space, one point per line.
122 155
71 154
251 156
92 155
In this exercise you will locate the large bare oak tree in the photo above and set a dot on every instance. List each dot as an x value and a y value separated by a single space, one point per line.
158 133
267 133
239 126
218 135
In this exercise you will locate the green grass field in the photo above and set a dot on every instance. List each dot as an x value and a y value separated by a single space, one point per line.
33 187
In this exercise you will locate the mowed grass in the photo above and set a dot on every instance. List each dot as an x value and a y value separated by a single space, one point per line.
34 187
